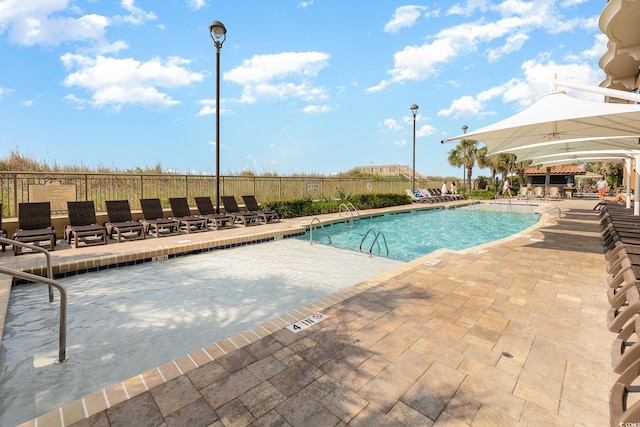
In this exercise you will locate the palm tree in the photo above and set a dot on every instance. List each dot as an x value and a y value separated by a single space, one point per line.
455 160
610 169
520 168
488 161
465 154
506 163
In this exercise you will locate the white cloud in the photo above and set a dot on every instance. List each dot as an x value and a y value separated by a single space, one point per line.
514 43
425 130
311 109
569 3
523 91
4 91
136 15
13 10
116 82
196 4
595 52
305 4
209 107
282 75
390 124
517 21
404 16
52 22
42 30
470 7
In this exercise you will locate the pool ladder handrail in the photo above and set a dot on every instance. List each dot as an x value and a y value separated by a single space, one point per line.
552 208
316 219
375 240
348 208
62 346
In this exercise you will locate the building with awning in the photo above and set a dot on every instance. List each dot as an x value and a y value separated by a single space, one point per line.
563 177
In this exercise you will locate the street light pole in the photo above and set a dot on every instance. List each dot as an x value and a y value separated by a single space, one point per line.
464 168
414 111
218 34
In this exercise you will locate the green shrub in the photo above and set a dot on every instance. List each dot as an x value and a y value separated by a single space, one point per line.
308 207
482 194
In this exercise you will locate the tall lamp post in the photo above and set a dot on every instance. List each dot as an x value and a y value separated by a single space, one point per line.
464 168
414 111
218 34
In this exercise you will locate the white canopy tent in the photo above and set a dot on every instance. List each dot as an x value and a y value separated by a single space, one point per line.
571 147
559 124
556 117
578 156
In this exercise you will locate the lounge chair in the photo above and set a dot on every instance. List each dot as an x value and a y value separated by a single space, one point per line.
554 193
154 219
624 406
625 348
438 193
538 192
83 224
121 221
34 225
414 197
252 206
431 196
231 208
623 309
523 193
182 213
207 211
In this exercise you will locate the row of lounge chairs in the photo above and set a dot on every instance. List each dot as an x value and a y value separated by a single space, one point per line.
34 220
431 195
620 231
538 193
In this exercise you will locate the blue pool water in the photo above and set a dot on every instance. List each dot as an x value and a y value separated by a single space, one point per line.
410 235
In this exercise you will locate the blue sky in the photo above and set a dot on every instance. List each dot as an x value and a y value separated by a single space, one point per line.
315 86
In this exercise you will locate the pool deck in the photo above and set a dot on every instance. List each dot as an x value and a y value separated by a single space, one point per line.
505 334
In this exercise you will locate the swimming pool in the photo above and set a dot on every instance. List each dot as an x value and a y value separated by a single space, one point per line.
254 283
410 235
125 321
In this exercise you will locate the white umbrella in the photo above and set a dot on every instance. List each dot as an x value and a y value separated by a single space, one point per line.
569 147
558 117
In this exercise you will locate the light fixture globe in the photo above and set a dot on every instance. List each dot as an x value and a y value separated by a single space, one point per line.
218 32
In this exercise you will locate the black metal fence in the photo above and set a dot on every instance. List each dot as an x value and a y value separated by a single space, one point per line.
18 187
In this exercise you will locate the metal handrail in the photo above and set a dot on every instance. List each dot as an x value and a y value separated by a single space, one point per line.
380 233
377 235
62 346
349 208
350 205
346 209
37 249
316 219
371 230
552 208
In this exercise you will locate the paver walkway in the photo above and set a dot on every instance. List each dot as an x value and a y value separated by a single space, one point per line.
507 334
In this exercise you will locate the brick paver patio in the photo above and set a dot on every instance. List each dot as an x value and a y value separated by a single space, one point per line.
512 333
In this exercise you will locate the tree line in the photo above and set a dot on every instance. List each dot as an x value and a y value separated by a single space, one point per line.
468 154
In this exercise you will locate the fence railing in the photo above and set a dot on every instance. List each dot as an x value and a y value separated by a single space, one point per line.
18 187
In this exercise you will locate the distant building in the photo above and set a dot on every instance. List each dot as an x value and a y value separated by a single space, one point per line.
559 176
